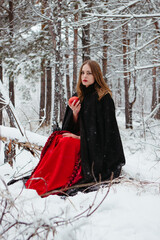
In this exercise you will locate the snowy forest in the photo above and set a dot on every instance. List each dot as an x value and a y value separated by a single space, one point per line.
42 46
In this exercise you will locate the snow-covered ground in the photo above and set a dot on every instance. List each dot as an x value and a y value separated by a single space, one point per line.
128 210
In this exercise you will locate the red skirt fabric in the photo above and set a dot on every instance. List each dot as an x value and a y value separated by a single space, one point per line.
59 165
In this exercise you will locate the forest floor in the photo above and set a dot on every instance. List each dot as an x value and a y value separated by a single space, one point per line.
129 209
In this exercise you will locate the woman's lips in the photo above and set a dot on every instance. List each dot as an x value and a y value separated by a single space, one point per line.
84 80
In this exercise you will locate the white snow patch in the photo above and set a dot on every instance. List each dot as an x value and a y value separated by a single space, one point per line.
131 210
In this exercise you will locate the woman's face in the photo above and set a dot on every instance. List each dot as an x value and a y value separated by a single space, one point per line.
87 76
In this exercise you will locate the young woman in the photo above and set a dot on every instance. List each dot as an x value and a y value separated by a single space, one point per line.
89 146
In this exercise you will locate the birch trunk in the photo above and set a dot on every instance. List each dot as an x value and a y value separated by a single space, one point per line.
59 96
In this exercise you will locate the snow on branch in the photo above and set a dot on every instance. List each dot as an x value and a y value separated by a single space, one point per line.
30 141
123 16
140 48
135 68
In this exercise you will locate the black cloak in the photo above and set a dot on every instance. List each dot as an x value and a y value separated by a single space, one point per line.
101 146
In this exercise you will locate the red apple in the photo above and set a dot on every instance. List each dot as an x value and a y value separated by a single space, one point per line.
76 99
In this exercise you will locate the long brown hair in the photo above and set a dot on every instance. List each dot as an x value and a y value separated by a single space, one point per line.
100 85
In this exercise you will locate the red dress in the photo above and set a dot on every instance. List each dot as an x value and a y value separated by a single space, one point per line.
59 165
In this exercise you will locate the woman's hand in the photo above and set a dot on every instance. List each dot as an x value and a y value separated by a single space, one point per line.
75 108
70 135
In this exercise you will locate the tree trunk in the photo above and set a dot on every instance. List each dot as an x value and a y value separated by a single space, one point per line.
75 52
155 86
119 93
85 37
59 96
158 112
42 110
67 63
127 78
49 94
11 94
1 79
11 89
67 78
105 48
126 87
154 78
154 89
56 93
86 42
11 78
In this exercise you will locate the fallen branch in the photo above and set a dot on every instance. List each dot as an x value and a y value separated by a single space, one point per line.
87 186
26 145
92 185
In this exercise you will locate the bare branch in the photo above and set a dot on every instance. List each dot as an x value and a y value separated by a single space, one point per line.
138 68
131 16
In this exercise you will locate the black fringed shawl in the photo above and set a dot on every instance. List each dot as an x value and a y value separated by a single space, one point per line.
101 146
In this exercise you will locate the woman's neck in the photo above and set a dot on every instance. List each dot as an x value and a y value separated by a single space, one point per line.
88 90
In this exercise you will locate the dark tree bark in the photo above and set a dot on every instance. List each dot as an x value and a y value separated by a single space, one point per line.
11 78
11 89
86 42
67 63
155 85
42 109
1 79
42 91
56 93
119 93
85 37
1 71
154 88
49 94
105 49
75 52
124 32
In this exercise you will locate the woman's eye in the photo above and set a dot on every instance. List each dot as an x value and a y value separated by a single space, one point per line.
88 73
